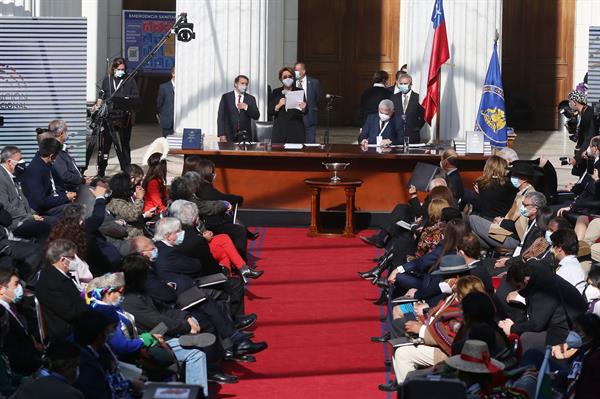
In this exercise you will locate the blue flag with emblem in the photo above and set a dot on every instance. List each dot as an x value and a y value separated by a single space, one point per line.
491 116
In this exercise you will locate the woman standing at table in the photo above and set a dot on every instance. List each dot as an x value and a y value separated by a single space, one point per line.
288 126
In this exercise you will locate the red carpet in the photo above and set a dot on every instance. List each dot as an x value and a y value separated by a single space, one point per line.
316 315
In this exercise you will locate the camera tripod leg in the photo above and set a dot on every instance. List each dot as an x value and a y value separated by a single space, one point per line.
117 144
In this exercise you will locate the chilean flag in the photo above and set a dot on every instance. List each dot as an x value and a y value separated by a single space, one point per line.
437 47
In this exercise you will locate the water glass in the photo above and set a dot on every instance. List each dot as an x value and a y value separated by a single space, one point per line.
406 143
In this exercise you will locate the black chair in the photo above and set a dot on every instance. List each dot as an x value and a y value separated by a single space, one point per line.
263 130
433 387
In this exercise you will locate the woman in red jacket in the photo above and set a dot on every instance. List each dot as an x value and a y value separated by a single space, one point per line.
155 184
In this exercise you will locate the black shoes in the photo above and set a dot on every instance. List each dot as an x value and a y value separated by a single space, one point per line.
391 386
248 273
384 338
246 321
373 240
232 357
383 298
253 236
222 378
247 347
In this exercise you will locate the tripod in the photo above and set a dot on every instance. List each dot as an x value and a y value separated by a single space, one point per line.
101 124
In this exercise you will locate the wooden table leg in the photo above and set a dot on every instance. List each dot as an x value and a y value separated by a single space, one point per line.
349 227
315 209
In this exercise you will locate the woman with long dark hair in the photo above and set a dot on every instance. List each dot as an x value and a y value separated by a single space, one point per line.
155 184
122 207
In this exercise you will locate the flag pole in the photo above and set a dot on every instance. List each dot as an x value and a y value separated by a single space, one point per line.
436 139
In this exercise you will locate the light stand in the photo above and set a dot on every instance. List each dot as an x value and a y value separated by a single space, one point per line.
101 123
329 108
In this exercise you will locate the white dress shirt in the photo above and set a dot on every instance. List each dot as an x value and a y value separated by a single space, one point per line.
570 269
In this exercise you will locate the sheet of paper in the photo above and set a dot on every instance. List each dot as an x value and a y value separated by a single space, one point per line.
293 98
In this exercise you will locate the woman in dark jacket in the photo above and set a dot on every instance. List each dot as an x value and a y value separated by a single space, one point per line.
496 193
288 126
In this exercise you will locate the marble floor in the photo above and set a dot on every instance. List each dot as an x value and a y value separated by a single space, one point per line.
529 144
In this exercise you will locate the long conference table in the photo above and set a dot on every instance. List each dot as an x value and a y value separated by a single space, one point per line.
273 178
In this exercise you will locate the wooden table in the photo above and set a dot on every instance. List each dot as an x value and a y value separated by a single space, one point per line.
274 179
316 185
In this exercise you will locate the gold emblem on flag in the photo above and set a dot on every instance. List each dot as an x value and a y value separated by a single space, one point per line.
494 118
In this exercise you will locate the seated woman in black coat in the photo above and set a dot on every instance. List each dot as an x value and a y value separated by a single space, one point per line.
288 125
496 194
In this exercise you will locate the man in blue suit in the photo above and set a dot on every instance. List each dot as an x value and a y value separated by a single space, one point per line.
42 185
165 105
383 124
312 93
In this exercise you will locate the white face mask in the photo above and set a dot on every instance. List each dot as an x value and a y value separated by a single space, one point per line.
384 117
547 236
119 73
242 88
288 82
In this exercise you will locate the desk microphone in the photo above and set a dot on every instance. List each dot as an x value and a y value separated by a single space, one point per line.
328 96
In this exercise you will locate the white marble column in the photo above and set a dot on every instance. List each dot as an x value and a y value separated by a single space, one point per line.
232 37
471 27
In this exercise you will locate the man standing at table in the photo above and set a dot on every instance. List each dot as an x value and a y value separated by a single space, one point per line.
407 107
312 93
236 111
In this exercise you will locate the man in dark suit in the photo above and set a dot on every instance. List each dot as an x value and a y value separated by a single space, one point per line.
237 108
382 128
57 291
407 107
449 164
24 353
64 164
165 105
312 93
25 222
395 89
42 184
371 97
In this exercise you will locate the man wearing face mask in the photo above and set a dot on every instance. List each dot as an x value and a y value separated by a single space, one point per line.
312 90
20 346
237 109
165 105
122 120
586 129
564 248
510 230
382 128
65 165
408 108
42 185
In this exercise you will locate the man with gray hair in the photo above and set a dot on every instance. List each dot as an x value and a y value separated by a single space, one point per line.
408 108
64 164
383 128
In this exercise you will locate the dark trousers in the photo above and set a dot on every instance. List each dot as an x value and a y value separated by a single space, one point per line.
209 312
27 255
234 287
310 133
124 135
33 229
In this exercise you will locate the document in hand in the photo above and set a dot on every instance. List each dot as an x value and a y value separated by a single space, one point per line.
293 98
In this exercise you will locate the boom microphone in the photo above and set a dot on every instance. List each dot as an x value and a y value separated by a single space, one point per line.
328 96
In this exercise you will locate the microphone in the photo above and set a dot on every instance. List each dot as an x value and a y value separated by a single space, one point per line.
328 96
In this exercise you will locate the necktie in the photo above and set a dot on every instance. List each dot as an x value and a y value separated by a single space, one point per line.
299 83
17 188
380 126
239 100
404 102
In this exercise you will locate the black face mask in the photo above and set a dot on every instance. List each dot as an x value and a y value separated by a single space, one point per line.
19 170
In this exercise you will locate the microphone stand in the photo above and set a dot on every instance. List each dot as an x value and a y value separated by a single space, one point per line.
329 108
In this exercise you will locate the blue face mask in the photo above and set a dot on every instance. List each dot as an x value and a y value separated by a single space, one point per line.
574 340
515 182
180 237
403 88
154 255
120 301
18 294
523 211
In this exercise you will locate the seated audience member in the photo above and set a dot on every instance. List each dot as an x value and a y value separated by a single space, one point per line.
517 230
372 96
58 293
435 332
496 193
41 183
99 375
384 128
185 188
136 174
565 247
593 281
583 376
221 246
123 208
468 247
163 295
57 378
508 154
431 235
155 184
25 222
449 165
207 191
20 346
64 164
550 302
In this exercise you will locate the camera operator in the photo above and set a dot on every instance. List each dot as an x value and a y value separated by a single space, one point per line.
585 130
122 121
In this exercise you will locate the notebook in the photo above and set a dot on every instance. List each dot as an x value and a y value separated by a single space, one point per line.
404 299
422 175
211 279
190 297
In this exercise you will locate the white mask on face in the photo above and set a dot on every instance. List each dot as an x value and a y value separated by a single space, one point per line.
119 73
384 117
242 88
288 82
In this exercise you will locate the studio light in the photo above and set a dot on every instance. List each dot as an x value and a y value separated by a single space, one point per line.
185 30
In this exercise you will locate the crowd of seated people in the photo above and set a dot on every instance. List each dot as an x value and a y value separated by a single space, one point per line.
478 282
108 283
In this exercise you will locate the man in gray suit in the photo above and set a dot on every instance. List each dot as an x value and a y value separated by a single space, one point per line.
25 223
312 93
165 105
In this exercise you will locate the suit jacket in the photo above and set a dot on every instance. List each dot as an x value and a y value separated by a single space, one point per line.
92 381
66 168
369 101
210 193
585 131
13 199
165 105
455 184
61 301
196 246
19 346
147 315
414 116
230 120
313 95
37 186
48 388
371 129
173 266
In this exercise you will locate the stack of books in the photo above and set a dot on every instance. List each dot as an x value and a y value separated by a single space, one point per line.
461 147
174 142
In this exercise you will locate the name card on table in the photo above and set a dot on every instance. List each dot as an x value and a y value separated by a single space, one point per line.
193 139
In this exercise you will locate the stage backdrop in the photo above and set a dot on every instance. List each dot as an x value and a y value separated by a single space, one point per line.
42 77
594 65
